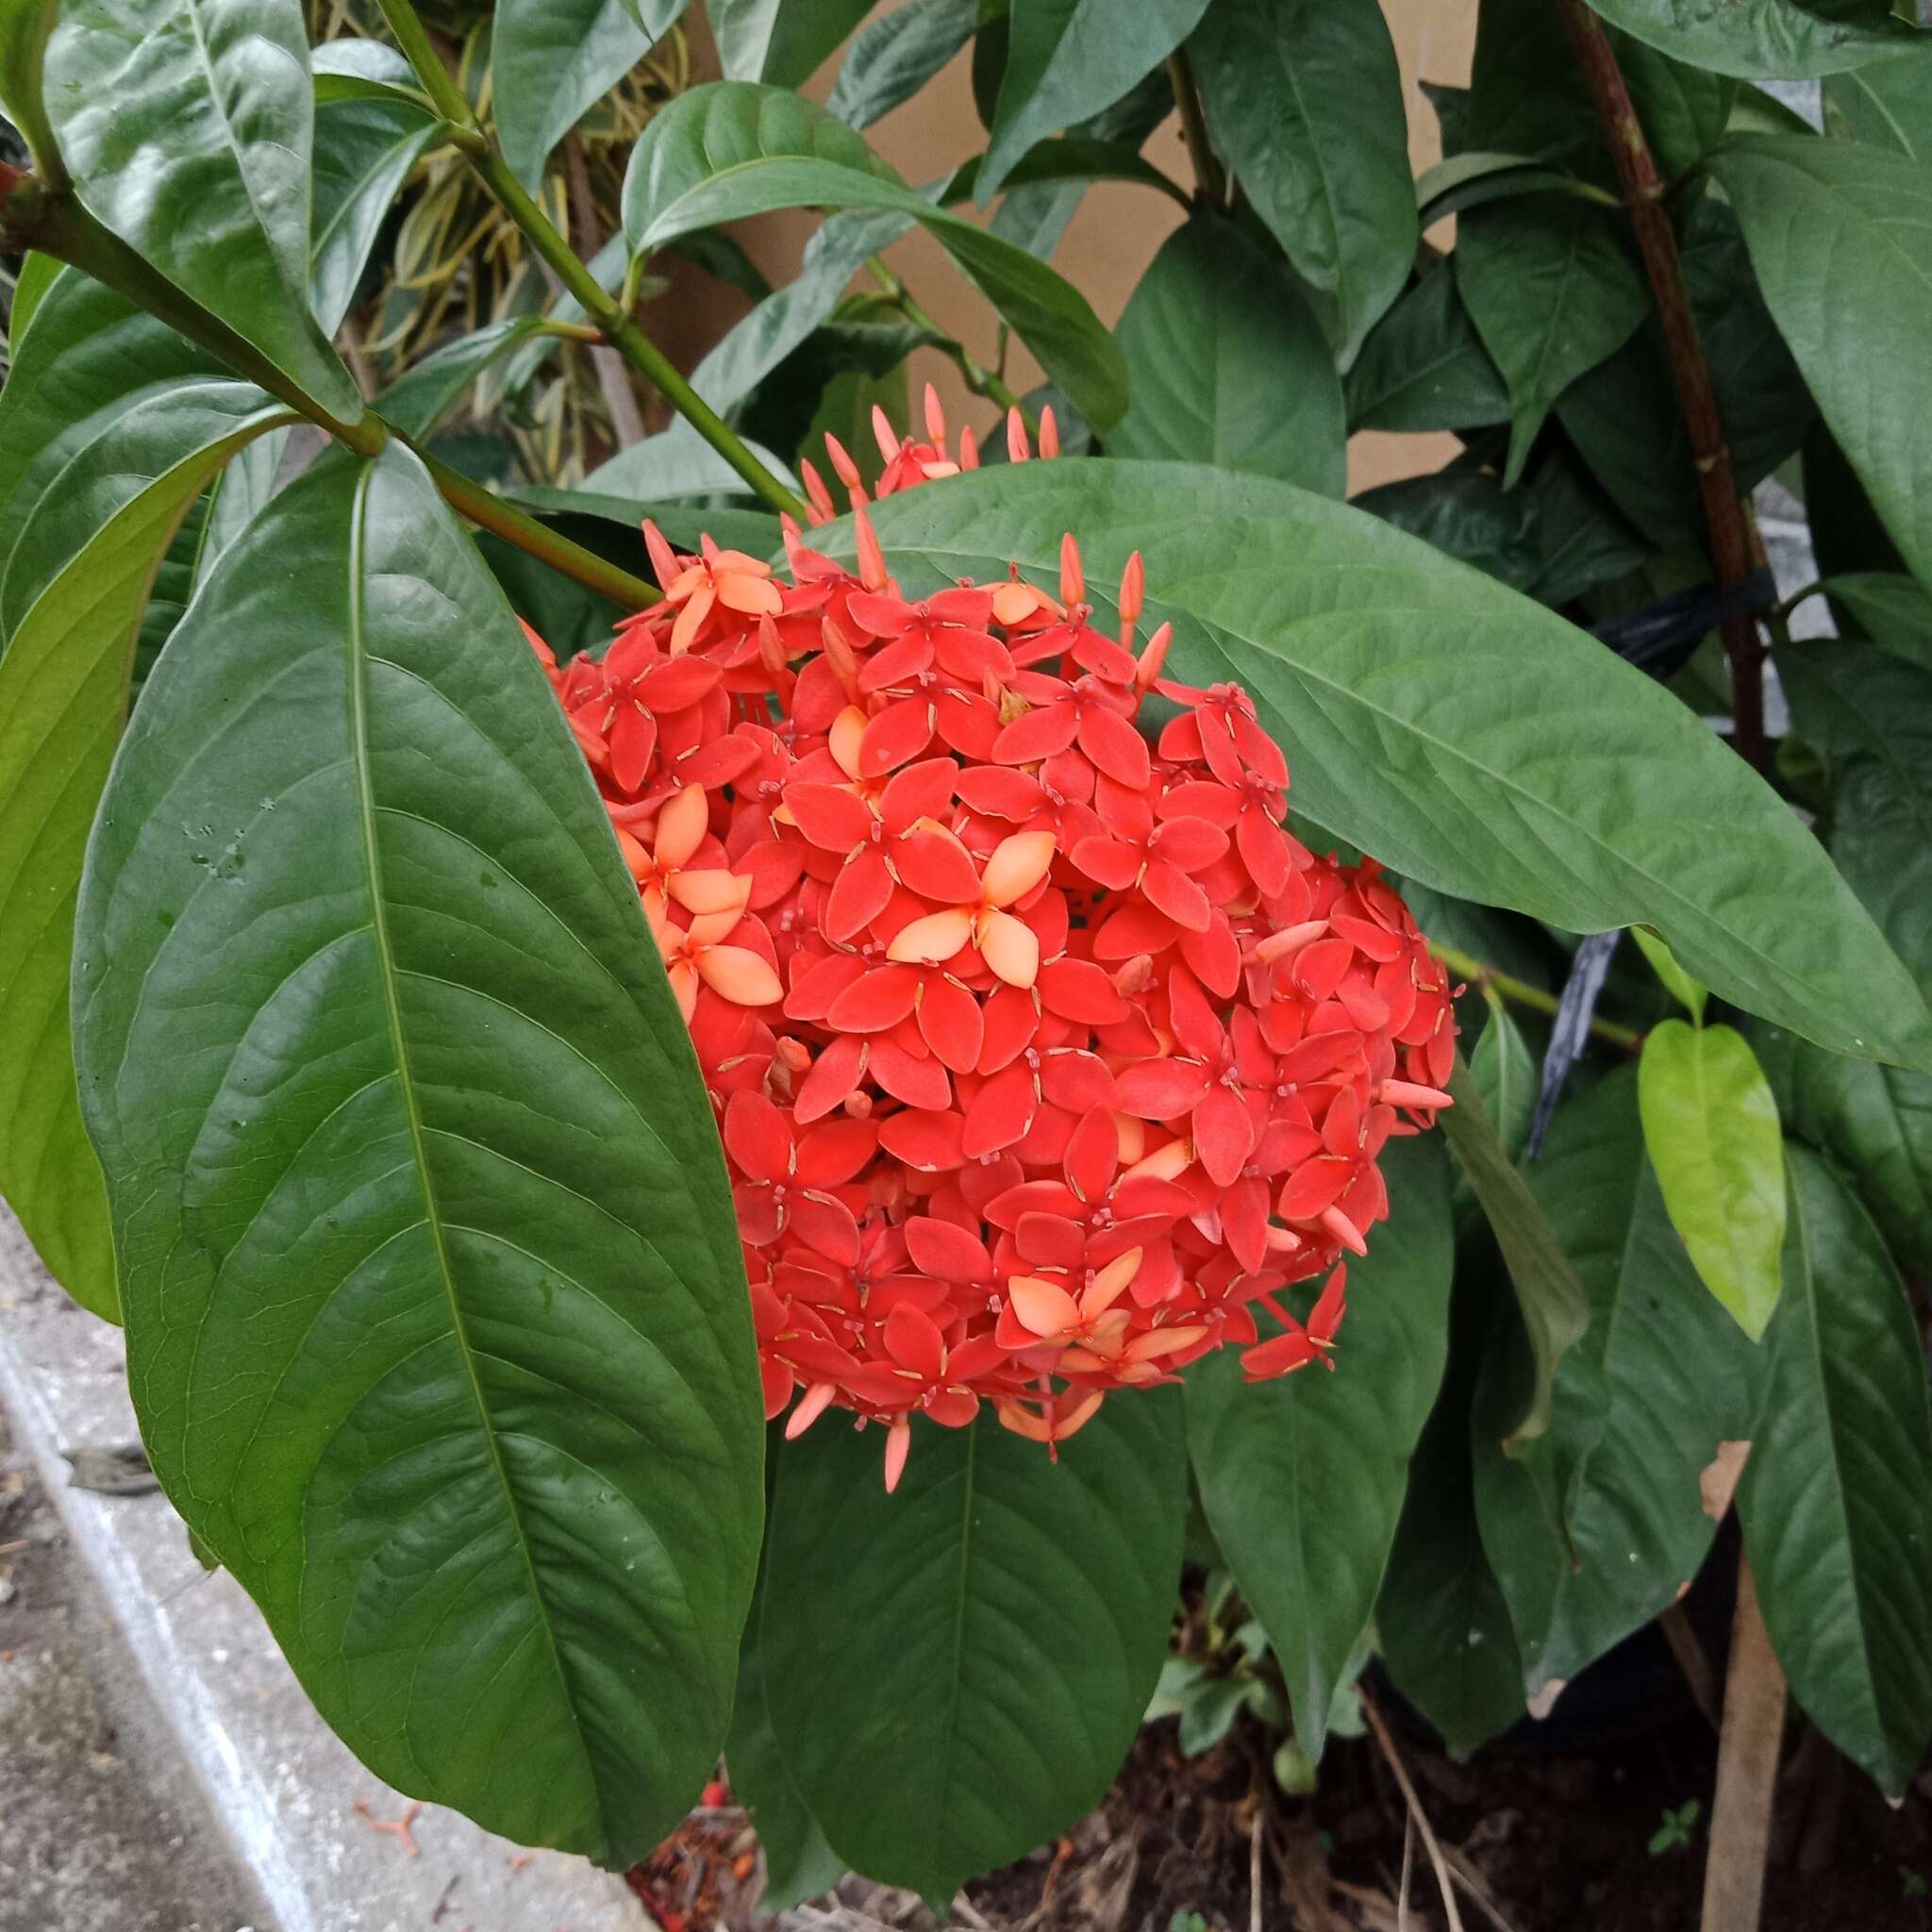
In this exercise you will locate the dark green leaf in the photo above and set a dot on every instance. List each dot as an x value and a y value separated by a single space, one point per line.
1026 1605
1555 1310
551 59
186 127
895 55
1870 714
1893 612
441 1338
734 149
1468 514
1584 795
1303 99
1071 158
1303 1477
1712 1127
1425 367
1885 104
1841 236
1553 292
1660 1377
1229 366
1468 180
1834 1499
1068 60
364 150
1763 39
419 399
1582 540
1449 106
780 41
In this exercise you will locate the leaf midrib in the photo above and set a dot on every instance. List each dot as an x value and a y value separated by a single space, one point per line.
357 655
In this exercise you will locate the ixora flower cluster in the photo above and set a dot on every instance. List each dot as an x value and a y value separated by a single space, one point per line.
1044 1057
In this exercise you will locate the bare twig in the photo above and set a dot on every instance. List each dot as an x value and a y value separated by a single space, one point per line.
1254 1872
1465 1876
1444 1884
1747 1758
1717 482
1209 178
1407 1866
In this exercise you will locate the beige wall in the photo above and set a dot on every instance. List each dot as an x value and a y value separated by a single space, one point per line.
1106 246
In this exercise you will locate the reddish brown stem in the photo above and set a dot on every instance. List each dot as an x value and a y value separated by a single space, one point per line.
1717 482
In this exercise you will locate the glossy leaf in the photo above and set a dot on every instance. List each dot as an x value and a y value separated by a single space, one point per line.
551 60
1301 1479
1711 1124
1027 1604
1660 1377
1893 612
1067 59
1763 40
1869 713
1553 292
63 697
1885 103
187 129
357 69
1841 236
1229 366
728 150
891 58
1395 680
780 41
1425 367
364 152
1303 99
1505 1073
437 1325
245 484
1835 1498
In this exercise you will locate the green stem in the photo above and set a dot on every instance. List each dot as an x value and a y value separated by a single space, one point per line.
981 381
1466 966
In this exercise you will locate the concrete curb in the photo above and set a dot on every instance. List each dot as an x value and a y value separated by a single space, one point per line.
283 1787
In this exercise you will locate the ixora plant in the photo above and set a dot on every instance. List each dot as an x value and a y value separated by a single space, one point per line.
529 1094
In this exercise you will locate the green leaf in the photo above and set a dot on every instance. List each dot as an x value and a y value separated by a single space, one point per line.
1068 60
25 28
1228 365
1874 1122
1870 714
1885 103
1841 236
731 149
63 696
1763 40
757 532
357 70
1425 367
364 151
1302 1477
893 56
437 1327
244 485
1834 1499
1395 680
1209 1713
1073 157
1303 99
551 60
1506 1074
1470 515
425 393
1682 987
37 274
1555 1310
1468 180
674 462
1553 292
780 41
1710 1123
1660 1377
1895 612
186 127
1026 1605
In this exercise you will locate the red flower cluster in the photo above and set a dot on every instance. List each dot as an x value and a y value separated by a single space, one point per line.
1043 1056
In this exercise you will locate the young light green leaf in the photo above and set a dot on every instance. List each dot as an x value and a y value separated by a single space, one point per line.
1304 100
1682 987
1553 292
37 274
1227 364
1763 40
1395 680
551 60
780 41
989 1557
63 697
1893 612
441 1342
1841 236
1425 367
1712 1127
187 128
892 56
734 149
1067 61
1301 1479
1834 1498
364 151
24 29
